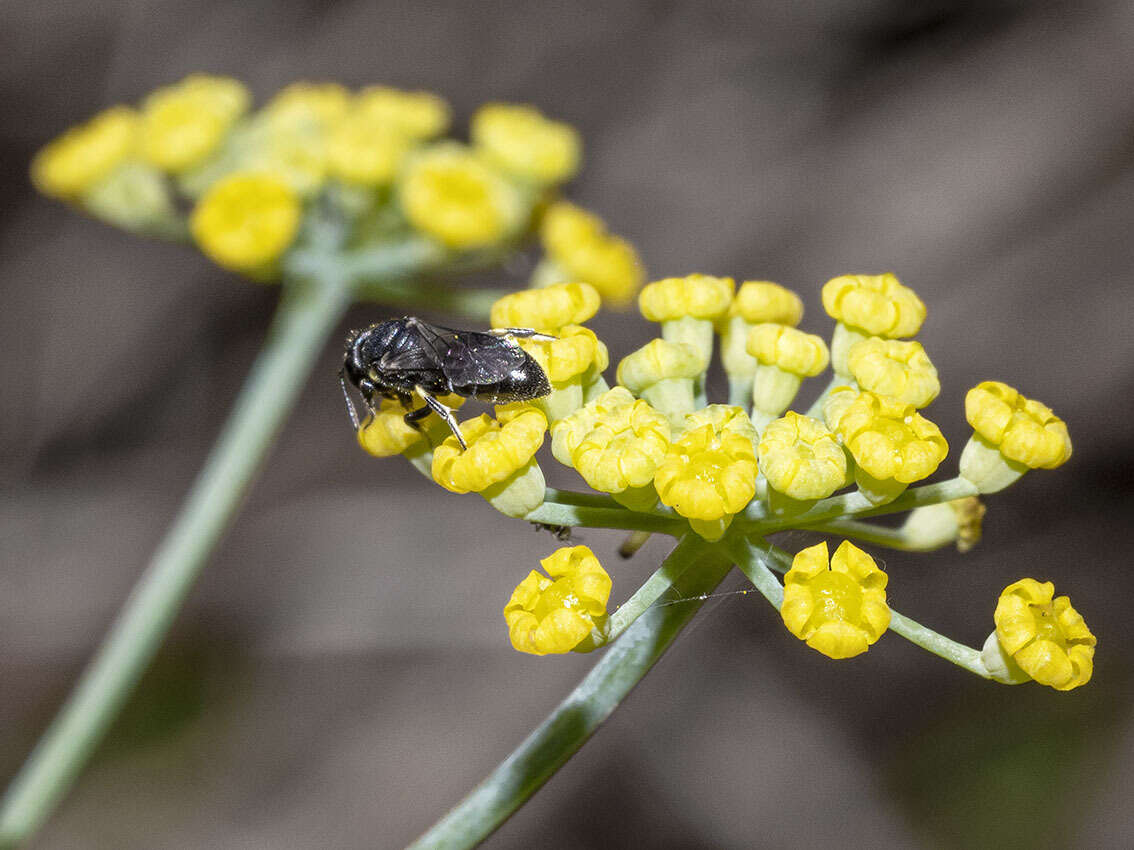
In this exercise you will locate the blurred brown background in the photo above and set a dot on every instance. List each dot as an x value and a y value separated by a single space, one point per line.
342 675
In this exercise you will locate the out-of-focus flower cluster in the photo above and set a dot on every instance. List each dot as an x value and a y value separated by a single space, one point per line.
656 445
375 159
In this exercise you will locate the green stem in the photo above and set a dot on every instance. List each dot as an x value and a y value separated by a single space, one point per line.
307 314
894 538
575 719
938 644
816 409
757 516
754 558
672 568
740 391
580 499
553 514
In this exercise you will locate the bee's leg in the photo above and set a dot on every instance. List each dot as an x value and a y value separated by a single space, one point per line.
442 411
349 403
527 333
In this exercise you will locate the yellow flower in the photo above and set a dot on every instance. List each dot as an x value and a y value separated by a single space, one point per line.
184 123
892 444
801 458
451 195
698 295
1013 434
386 433
687 308
578 247
756 302
709 474
246 221
84 155
567 360
663 373
521 141
890 367
785 356
555 613
1045 637
839 609
364 151
616 442
869 305
495 451
877 304
307 108
417 115
499 462
548 309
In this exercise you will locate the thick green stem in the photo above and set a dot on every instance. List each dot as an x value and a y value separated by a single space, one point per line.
308 312
679 560
575 719
754 559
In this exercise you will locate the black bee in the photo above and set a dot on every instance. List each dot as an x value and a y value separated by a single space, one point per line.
399 357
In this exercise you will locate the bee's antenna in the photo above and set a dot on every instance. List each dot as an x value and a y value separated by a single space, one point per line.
346 395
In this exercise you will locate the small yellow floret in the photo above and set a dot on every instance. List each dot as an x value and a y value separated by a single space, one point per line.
839 609
414 114
792 350
1046 637
578 243
555 613
363 151
184 123
710 472
386 433
760 301
495 451
888 439
246 221
451 195
615 442
700 296
891 367
878 304
307 108
521 141
1024 430
574 350
801 458
658 360
548 309
84 155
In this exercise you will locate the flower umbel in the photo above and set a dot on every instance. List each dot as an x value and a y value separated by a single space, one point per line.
1044 635
555 613
838 608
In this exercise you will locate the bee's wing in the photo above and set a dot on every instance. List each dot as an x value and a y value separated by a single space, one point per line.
419 347
481 360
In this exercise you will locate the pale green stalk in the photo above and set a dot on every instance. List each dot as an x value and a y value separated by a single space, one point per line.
575 719
894 538
572 515
307 314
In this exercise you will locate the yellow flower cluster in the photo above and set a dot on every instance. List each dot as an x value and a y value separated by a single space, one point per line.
374 155
554 613
578 247
838 607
